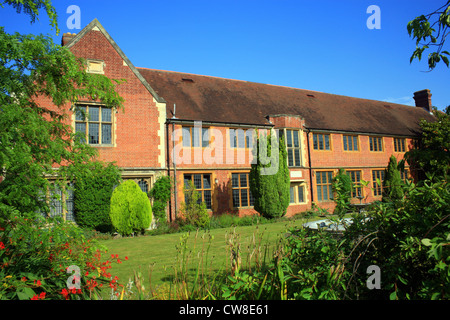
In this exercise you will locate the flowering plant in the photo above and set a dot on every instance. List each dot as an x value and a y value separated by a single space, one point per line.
50 259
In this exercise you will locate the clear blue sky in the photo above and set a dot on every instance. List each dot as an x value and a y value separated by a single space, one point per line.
320 45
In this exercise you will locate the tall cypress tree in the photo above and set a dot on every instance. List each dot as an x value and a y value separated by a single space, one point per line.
269 177
393 183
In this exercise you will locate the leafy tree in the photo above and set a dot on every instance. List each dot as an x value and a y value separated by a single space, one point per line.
393 183
432 157
431 30
271 189
38 81
160 193
130 209
94 185
342 187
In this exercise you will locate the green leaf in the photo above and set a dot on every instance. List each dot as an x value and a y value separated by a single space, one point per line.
445 59
426 242
25 294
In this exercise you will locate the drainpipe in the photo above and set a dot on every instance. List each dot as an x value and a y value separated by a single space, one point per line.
310 167
173 160
168 164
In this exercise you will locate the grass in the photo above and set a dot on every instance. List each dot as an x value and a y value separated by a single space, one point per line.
166 257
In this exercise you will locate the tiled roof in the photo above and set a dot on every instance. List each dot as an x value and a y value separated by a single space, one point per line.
215 99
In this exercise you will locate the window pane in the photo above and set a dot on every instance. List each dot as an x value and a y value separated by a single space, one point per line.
315 143
244 200
206 181
289 138
345 143
236 198
327 142
93 114
296 141
235 180
80 113
196 137
300 194
355 143
318 177
249 139
106 115
290 157
252 199
205 137
243 180
320 142
207 198
187 178
350 143
143 185
93 133
80 127
330 176
233 138
297 157
292 200
325 193
186 137
319 193
198 181
330 192
106 133
241 138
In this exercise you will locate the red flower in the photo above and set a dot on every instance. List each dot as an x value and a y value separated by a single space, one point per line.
65 293
2 246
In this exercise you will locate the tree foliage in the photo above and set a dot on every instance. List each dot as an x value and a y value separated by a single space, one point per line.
432 157
94 184
393 183
38 82
342 188
271 191
430 31
130 209
160 193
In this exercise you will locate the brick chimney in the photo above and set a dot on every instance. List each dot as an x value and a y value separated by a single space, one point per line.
67 37
423 99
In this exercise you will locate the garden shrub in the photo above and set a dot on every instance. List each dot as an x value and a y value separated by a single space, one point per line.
193 211
130 209
35 254
271 190
160 193
393 183
342 188
94 185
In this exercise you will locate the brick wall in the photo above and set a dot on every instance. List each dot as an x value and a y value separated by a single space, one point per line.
136 140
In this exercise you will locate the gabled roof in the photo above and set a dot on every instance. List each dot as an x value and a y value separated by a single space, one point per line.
215 99
96 25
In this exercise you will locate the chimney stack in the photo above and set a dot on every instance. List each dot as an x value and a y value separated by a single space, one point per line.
423 99
67 37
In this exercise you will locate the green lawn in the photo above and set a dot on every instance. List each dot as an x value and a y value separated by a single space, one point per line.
210 249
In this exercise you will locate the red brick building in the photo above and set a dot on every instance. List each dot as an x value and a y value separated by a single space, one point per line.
214 121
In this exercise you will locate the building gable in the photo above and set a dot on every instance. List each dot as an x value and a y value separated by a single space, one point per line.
96 26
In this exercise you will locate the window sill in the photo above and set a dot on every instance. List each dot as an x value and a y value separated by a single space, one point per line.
102 145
